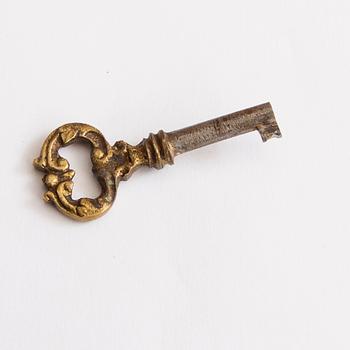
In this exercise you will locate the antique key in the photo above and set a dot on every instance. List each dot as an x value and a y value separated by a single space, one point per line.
111 164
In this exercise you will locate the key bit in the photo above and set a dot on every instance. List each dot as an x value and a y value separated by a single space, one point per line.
111 164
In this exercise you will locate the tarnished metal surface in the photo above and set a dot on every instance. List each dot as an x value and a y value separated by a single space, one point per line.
111 164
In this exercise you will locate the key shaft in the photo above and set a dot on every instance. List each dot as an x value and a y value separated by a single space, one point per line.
260 118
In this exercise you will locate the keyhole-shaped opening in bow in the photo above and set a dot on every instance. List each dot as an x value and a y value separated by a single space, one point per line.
85 183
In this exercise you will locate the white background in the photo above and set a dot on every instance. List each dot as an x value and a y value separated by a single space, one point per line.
240 245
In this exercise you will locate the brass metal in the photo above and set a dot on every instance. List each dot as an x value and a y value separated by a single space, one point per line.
111 164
